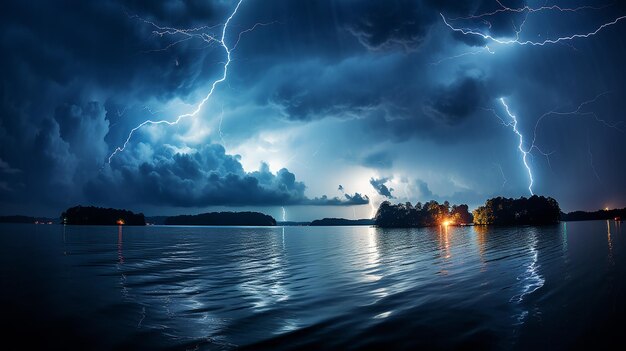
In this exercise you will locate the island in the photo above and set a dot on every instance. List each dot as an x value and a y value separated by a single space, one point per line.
91 215
19 219
617 214
429 214
223 218
535 210
341 222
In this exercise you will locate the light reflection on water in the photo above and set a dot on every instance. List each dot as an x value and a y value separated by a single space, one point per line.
329 287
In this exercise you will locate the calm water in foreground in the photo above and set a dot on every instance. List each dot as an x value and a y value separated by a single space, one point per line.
158 288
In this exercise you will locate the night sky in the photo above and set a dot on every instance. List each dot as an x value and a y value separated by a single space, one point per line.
327 109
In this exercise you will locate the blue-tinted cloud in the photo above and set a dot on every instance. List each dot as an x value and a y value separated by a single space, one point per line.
381 188
365 79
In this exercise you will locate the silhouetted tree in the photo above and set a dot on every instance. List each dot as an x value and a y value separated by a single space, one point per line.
431 213
619 214
90 215
461 214
535 210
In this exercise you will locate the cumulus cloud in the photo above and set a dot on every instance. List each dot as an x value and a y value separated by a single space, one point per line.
206 176
348 200
71 95
381 188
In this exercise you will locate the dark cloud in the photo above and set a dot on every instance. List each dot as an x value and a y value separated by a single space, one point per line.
379 160
503 24
381 188
423 189
403 24
385 24
455 102
7 169
206 177
77 76
357 199
348 200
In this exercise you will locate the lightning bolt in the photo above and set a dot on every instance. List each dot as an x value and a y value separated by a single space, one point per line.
528 10
504 8
525 153
284 214
578 111
209 39
219 128
250 30
468 53
372 208
593 168
499 166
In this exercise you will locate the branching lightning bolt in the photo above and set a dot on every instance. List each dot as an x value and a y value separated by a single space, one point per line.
533 145
504 8
525 153
527 10
578 111
468 53
208 39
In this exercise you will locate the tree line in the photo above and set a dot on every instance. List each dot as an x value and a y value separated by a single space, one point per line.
429 214
90 215
536 210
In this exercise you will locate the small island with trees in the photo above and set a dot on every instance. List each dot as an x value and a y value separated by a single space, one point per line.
501 211
91 215
536 210
429 214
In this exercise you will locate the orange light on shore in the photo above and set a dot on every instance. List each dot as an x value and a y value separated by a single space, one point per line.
120 222
446 223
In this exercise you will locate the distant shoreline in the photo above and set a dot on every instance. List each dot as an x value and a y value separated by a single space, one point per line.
297 224
90 215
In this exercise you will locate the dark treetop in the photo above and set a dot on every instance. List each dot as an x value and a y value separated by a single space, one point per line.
91 215
431 213
536 210
619 214
223 218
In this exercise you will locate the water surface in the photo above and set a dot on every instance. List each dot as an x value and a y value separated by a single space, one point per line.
158 288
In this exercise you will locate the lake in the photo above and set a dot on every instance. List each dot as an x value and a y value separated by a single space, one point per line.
219 288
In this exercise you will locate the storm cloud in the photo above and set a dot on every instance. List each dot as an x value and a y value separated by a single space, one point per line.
357 93
381 188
